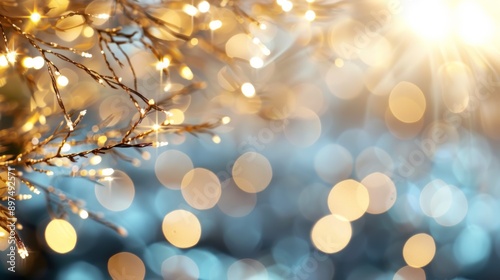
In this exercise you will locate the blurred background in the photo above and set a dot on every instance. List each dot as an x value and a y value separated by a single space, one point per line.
360 142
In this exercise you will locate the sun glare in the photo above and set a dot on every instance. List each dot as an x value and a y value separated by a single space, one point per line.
438 20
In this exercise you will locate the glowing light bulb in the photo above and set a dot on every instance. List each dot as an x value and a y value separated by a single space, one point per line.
35 17
226 120
62 81
248 90
190 10
156 127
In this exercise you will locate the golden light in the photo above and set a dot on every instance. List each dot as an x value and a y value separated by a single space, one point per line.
203 6
215 24
28 62
181 228
126 265
190 9
475 27
216 139
186 73
438 20
431 19
226 120
201 188
310 15
163 64
3 61
407 102
38 62
35 17
409 273
256 62
83 214
248 90
62 81
331 234
11 56
60 236
419 250
252 172
349 199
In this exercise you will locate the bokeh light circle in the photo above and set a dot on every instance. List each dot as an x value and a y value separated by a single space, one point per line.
60 236
348 199
180 267
170 168
419 250
117 194
333 163
252 172
382 192
331 234
181 228
407 102
201 188
125 265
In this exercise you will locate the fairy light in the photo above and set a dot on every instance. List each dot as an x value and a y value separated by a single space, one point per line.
310 15
215 24
226 120
38 62
216 139
248 90
62 81
83 214
190 9
11 56
256 62
3 61
163 64
186 73
204 7
287 6
35 17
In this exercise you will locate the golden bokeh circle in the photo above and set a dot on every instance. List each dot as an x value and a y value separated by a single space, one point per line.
349 199
419 250
60 236
126 266
201 188
181 228
331 234
252 172
407 102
